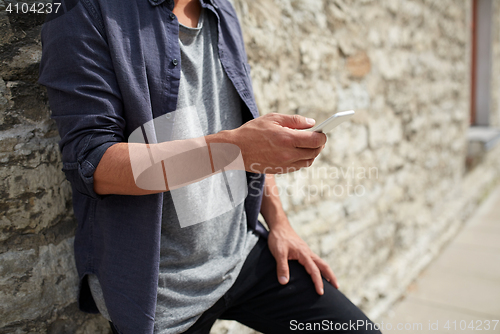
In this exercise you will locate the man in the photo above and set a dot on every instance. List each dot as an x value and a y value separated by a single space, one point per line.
111 68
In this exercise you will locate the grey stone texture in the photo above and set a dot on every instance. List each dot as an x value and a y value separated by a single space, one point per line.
387 193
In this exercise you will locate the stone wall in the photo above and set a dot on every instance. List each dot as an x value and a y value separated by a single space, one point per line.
404 66
389 190
38 282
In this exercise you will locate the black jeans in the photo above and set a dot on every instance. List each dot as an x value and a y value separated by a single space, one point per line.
259 301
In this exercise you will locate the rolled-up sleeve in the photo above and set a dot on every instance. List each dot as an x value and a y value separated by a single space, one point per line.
84 94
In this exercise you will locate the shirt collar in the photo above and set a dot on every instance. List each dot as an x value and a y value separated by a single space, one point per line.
159 2
209 2
171 3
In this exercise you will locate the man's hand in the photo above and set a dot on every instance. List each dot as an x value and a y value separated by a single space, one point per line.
286 245
270 144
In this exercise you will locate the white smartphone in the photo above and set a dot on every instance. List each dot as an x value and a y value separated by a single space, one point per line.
332 121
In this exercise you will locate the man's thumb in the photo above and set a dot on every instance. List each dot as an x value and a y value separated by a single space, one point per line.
282 270
296 121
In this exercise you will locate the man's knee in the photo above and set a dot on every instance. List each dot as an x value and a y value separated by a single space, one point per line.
345 316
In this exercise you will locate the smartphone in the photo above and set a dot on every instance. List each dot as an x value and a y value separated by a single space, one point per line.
332 121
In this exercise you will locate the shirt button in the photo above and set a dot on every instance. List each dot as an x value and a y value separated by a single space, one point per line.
174 62
172 15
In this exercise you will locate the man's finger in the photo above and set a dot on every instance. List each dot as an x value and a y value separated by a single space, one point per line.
306 153
282 268
327 272
312 269
294 121
308 139
300 164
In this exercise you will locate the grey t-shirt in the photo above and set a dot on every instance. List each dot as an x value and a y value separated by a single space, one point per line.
199 262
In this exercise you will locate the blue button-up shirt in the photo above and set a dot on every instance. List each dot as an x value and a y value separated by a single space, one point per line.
110 67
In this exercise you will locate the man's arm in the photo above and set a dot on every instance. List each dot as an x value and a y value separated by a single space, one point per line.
268 144
285 244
